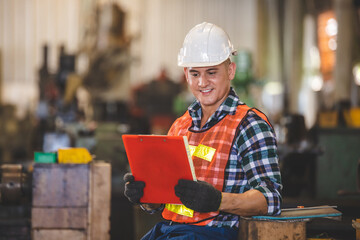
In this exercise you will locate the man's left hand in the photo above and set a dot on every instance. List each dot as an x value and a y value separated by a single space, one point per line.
199 196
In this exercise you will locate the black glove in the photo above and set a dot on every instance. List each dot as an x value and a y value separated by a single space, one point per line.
199 196
134 190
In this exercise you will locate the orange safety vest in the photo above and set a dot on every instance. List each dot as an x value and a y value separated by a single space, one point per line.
220 138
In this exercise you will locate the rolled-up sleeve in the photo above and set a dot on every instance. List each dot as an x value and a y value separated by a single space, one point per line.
259 160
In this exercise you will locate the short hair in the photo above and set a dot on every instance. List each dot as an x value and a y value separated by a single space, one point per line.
227 62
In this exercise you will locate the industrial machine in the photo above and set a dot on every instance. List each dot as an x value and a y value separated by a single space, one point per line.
15 202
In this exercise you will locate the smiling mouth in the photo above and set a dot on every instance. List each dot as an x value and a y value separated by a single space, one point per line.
206 91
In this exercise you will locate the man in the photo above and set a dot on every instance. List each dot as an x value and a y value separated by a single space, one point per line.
242 176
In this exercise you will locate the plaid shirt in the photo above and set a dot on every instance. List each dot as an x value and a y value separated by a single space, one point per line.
253 161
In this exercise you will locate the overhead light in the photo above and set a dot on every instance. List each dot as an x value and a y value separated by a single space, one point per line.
272 97
316 83
356 72
331 28
332 44
273 88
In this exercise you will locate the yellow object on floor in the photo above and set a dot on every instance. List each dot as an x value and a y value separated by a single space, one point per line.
74 155
355 117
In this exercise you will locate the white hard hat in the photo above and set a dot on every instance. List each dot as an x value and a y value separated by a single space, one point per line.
205 45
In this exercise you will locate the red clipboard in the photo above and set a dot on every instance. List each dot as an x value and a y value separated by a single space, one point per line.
159 161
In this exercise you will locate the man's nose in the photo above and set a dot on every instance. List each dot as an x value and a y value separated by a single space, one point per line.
203 81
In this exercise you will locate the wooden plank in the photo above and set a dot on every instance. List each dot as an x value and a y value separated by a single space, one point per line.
266 230
56 234
73 218
60 185
99 207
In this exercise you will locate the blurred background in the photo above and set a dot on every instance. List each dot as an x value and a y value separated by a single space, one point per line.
80 73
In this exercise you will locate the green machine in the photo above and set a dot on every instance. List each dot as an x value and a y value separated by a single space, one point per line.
338 168
243 76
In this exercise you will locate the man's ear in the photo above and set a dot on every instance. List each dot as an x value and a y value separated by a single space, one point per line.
232 70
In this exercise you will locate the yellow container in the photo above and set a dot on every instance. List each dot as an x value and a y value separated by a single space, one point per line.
355 117
328 119
74 155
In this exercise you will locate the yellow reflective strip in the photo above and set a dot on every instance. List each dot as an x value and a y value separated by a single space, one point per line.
192 149
204 152
180 209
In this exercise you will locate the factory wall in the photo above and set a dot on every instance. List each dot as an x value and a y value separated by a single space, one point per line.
274 32
156 29
24 27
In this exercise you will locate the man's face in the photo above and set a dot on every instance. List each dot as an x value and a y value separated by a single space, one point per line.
210 85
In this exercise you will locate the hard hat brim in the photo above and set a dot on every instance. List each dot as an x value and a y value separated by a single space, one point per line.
200 64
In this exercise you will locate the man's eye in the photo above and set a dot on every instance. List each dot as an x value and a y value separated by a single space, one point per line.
194 74
212 73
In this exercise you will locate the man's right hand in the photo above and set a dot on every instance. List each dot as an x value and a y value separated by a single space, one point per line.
134 190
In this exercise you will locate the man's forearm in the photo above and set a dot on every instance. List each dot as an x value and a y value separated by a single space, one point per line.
250 203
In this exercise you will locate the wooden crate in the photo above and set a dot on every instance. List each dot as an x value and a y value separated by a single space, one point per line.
73 218
61 185
56 234
71 201
290 224
271 230
100 195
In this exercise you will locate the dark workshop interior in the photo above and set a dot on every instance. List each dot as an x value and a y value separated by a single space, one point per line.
76 75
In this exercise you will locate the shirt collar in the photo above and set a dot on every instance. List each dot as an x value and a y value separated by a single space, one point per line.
227 107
